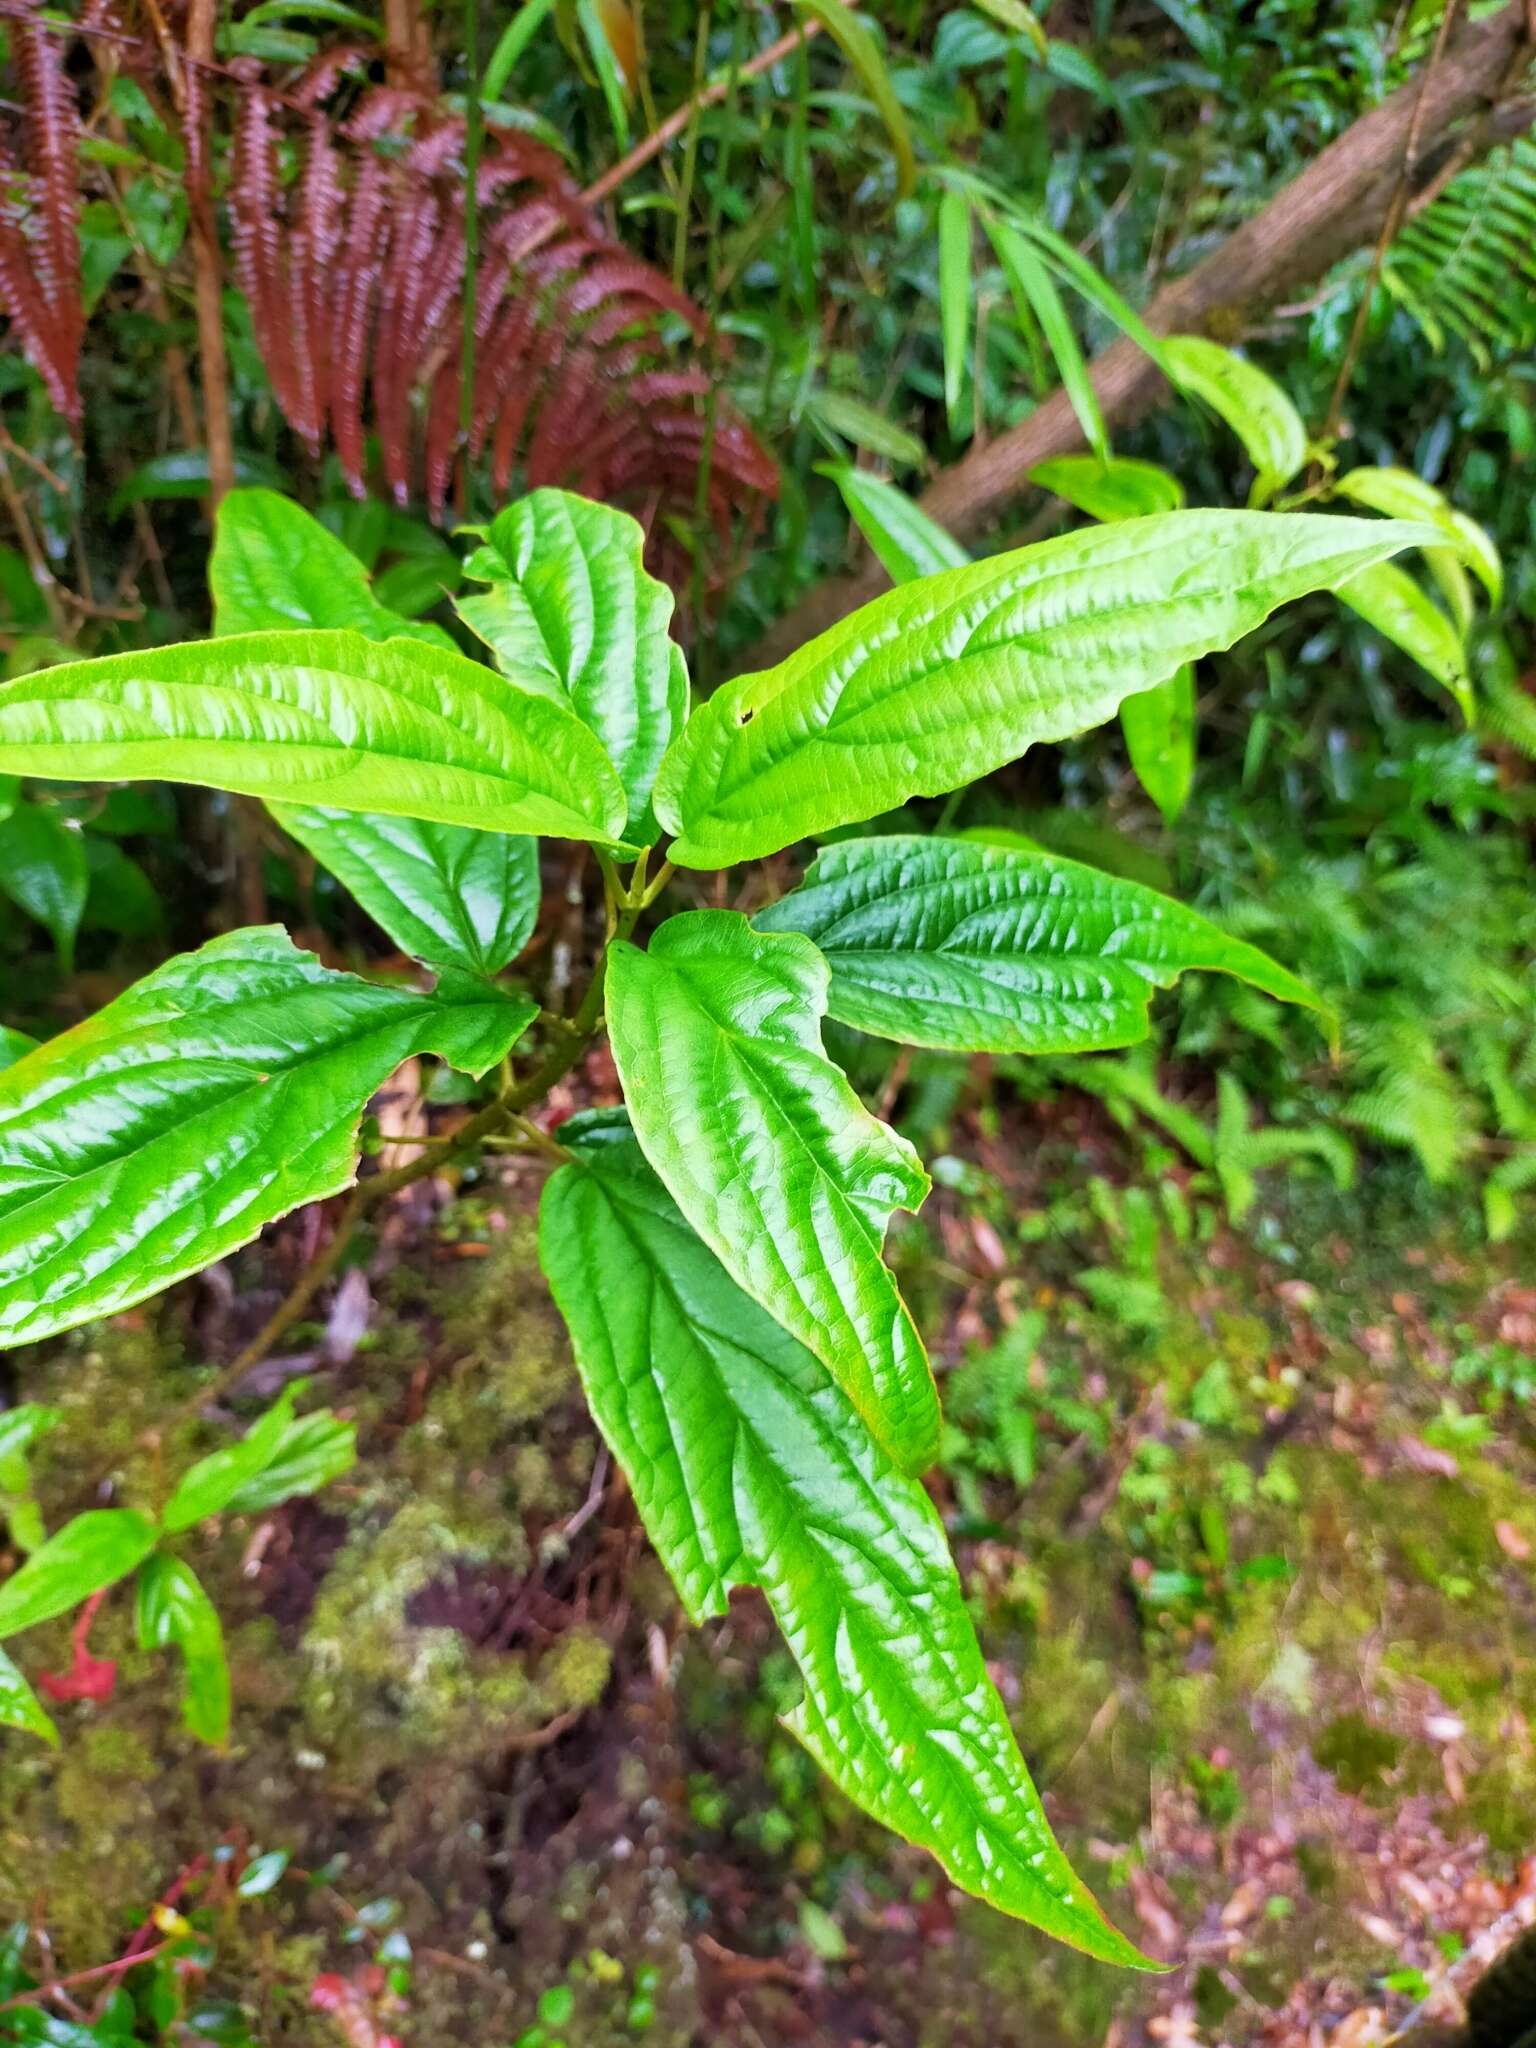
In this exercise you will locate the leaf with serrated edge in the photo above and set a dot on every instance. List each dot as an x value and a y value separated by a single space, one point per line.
949 677
320 717
173 1612
96 1549
213 1096
949 943
445 893
751 1468
790 1181
570 604
274 566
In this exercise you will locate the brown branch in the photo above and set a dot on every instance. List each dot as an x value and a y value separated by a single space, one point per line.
1337 204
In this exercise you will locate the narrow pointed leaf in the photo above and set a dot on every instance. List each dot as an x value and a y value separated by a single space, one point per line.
863 54
275 567
571 610
174 1612
751 1468
770 1155
96 1549
1387 598
450 895
1253 405
905 540
20 1706
1402 495
217 1094
320 717
1158 726
955 297
1120 488
1034 288
975 948
948 678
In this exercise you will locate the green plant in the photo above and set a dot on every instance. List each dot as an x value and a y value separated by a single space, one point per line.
715 1244
281 1455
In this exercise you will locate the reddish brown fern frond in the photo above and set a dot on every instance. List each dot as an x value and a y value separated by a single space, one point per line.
39 234
355 272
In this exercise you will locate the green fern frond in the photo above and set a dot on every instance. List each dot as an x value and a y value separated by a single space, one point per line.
1409 1096
1467 264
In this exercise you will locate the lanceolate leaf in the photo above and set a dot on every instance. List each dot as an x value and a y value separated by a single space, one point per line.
43 871
20 1706
217 1094
955 297
449 894
96 1549
175 1613
274 566
1388 599
949 677
905 540
770 1155
863 54
1034 291
452 896
571 611
1402 495
1117 489
947 942
1159 729
1253 405
750 1468
320 717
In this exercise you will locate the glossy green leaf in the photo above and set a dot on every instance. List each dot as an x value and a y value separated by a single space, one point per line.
320 717
1402 495
174 1612
1117 489
1253 405
905 540
949 677
275 567
1387 598
1034 289
449 894
452 896
43 871
20 1706
751 1468
514 39
212 1483
790 1181
863 54
976 948
96 1549
312 1450
217 1094
955 297
13 1044
1158 726
571 611
839 412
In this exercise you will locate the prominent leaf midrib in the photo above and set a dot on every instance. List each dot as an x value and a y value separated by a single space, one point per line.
246 1083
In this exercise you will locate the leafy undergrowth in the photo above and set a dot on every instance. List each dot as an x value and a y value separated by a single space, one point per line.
1248 1523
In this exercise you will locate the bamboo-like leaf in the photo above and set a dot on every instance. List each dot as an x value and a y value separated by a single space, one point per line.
173 1612
863 53
906 541
1033 287
955 299
751 1468
790 1181
947 678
